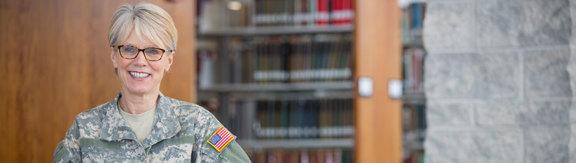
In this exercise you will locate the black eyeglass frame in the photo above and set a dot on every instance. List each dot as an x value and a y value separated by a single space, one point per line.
143 53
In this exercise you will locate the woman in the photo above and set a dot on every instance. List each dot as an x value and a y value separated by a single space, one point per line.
141 124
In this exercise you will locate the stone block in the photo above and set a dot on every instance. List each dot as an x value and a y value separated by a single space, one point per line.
449 27
516 113
548 113
455 1
448 147
523 23
573 113
489 76
571 67
498 145
474 146
449 114
545 73
498 112
573 16
572 144
548 144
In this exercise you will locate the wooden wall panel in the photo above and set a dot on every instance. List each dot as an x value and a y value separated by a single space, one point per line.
55 63
377 56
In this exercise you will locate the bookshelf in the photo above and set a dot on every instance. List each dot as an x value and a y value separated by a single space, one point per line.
278 74
414 100
249 79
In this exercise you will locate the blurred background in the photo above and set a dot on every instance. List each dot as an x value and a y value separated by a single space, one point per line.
315 80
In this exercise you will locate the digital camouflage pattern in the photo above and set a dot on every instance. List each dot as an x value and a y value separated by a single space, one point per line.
102 135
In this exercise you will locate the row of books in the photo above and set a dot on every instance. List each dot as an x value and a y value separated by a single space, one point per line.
325 118
414 157
414 128
413 70
414 118
412 22
304 156
301 58
303 12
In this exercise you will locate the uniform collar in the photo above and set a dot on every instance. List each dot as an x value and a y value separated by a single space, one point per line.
115 128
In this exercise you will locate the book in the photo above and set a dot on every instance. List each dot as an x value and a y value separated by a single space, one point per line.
322 12
413 65
328 155
303 119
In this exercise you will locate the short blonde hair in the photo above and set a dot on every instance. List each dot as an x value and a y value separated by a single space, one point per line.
145 19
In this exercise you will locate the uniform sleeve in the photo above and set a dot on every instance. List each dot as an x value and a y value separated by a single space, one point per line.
68 149
231 153
235 153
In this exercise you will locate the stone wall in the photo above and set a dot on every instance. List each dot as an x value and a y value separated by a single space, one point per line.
498 81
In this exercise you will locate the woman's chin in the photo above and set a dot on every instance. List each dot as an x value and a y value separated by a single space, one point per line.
139 90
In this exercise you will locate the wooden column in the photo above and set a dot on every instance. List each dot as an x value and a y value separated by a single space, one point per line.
55 62
378 57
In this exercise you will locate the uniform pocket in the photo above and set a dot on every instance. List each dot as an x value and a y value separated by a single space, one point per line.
96 149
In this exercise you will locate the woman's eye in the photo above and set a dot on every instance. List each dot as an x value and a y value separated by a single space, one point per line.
152 51
129 49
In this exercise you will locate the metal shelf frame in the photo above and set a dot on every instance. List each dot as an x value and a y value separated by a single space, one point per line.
297 143
282 87
291 30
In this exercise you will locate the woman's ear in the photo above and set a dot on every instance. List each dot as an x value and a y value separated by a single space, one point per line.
170 60
113 58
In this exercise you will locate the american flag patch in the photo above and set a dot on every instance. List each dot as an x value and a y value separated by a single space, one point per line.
221 138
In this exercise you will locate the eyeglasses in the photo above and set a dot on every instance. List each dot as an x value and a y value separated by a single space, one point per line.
131 52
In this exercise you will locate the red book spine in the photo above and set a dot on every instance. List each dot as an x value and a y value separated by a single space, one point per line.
322 16
347 12
336 15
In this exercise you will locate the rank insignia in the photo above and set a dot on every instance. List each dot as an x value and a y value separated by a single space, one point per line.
220 139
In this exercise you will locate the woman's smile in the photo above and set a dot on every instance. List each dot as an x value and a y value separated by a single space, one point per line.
138 75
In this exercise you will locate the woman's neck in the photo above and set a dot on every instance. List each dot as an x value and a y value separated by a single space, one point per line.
137 104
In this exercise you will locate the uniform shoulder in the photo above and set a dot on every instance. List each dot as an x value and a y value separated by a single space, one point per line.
184 108
89 122
94 113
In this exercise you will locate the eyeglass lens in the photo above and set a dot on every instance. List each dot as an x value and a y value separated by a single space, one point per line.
131 52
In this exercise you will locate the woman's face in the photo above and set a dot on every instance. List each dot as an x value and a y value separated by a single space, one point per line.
140 76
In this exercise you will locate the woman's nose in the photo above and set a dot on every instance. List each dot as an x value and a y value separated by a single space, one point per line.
140 59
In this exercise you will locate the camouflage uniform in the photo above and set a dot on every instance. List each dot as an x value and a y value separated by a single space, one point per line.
180 134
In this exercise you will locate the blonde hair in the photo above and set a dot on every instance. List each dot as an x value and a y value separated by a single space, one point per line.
145 19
